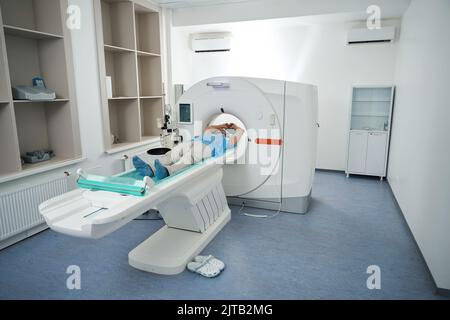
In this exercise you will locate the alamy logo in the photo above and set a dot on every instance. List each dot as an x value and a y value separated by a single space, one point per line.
374 280
374 20
74 20
263 148
73 281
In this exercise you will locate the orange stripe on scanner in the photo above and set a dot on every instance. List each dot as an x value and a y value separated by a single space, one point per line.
276 142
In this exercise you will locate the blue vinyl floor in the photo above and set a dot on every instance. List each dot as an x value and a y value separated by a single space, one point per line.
352 223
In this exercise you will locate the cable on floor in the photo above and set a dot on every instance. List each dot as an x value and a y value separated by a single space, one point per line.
264 216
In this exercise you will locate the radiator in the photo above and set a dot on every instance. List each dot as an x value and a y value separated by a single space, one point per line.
19 210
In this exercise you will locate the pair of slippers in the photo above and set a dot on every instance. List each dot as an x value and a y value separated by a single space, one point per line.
207 266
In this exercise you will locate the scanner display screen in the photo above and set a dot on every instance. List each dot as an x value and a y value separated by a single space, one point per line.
185 113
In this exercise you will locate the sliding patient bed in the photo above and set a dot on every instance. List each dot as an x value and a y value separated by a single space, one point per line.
192 204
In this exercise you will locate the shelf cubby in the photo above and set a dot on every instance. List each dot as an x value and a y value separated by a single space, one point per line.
124 121
149 76
43 164
121 67
380 94
29 58
151 109
45 125
117 22
147 30
128 36
375 108
32 16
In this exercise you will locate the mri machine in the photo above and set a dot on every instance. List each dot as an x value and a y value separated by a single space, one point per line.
272 167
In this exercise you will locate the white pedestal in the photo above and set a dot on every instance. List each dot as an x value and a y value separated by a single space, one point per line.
169 250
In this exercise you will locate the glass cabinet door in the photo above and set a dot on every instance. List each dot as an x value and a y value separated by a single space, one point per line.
371 108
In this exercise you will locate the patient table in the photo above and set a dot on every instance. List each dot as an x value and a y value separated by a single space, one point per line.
192 204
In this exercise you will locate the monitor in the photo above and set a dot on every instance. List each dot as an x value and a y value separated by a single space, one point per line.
185 113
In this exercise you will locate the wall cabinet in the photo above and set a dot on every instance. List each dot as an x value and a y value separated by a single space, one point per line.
129 47
35 42
370 124
367 153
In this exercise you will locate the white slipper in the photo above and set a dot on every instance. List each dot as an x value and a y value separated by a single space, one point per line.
204 268
214 261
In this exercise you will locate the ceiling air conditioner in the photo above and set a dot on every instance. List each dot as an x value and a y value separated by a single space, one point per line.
365 35
211 42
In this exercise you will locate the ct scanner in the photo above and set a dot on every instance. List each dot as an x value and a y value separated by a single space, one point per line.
281 122
272 167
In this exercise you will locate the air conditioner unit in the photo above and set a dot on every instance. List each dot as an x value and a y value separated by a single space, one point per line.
366 35
211 42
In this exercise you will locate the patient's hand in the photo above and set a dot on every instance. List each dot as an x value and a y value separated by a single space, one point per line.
223 127
220 127
232 126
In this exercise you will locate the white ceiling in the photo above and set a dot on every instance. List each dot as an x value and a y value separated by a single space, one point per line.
194 3
201 12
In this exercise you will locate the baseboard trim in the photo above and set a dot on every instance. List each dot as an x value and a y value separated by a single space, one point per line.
22 236
330 170
439 291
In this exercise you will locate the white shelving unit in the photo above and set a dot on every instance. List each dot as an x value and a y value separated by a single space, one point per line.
34 42
129 46
370 126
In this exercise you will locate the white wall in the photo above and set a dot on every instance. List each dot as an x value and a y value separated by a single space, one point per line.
291 50
87 84
419 166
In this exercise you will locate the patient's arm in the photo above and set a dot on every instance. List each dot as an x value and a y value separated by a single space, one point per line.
234 139
220 127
